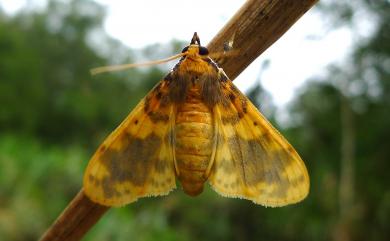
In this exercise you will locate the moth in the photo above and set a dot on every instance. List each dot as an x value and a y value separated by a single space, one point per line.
195 126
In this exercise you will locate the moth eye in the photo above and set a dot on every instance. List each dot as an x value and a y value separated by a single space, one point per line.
185 49
203 50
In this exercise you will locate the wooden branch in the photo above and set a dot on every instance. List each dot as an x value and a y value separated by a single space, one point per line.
257 25
80 215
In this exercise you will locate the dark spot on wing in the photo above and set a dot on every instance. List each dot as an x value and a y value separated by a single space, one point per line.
91 178
157 91
233 88
157 116
267 135
108 188
102 148
290 149
168 77
159 100
232 97
131 163
147 103
244 106
223 77
299 180
158 95
230 119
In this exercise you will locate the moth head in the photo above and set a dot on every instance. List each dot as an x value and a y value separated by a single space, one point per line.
195 50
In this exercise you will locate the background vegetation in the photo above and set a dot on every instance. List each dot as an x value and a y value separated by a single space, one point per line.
53 115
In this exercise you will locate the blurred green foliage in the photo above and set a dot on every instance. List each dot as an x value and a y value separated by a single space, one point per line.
54 114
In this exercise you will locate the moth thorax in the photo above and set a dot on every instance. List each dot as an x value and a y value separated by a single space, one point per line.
197 66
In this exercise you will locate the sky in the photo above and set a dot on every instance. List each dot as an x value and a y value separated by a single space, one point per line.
302 52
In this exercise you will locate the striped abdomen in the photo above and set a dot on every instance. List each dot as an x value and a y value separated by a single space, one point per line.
194 142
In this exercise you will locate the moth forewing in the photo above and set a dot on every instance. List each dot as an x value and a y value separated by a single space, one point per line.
253 160
136 159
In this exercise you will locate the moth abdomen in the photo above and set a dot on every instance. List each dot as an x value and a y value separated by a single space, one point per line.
193 143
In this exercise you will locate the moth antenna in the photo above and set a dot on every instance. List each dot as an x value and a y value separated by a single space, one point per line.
112 68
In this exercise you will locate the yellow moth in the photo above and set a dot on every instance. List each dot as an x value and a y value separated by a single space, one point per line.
195 126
